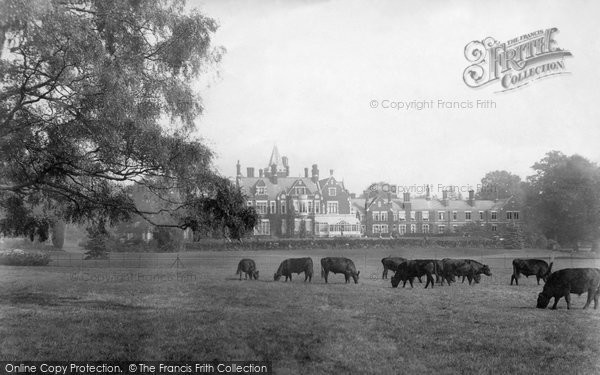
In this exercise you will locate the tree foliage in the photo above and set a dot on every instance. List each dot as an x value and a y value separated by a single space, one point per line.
500 185
96 96
563 199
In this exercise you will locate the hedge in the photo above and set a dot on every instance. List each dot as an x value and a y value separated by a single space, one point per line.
17 257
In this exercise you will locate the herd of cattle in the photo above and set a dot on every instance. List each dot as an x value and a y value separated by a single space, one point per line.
556 284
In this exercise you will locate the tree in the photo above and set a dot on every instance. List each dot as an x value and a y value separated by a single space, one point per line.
96 96
222 208
500 185
563 200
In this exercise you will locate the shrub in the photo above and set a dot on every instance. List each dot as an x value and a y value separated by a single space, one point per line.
17 257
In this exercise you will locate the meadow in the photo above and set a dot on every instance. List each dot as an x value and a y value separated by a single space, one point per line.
138 307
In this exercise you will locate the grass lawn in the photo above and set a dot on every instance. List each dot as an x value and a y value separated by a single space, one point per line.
203 312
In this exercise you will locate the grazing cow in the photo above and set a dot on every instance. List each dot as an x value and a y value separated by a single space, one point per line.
410 269
441 275
529 267
339 265
248 267
467 268
391 263
295 265
571 280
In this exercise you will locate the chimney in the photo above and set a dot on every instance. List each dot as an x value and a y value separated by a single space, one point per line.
315 173
427 193
331 172
274 173
445 197
306 172
286 166
238 168
261 173
471 197
406 197
250 172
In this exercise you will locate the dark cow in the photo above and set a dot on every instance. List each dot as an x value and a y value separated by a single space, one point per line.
410 269
391 263
248 267
339 265
467 268
571 280
441 275
295 265
529 267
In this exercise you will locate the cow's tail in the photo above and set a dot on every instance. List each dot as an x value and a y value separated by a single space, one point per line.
322 272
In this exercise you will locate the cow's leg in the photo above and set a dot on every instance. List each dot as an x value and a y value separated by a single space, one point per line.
290 277
556 298
596 298
538 279
347 277
419 277
241 275
411 279
515 278
590 296
325 274
385 271
568 299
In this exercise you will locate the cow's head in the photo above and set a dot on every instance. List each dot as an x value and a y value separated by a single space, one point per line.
276 276
486 270
477 278
255 274
543 301
355 277
395 280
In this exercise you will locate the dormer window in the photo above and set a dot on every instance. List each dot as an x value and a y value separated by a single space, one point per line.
300 190
261 190
332 192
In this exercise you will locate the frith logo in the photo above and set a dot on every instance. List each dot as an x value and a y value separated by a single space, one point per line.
515 63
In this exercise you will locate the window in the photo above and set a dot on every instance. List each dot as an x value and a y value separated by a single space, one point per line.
441 228
283 226
412 215
480 215
402 228
332 207
379 204
454 215
508 215
384 228
376 228
332 192
468 215
512 215
261 207
425 215
494 227
375 215
395 215
282 206
317 207
261 190
402 215
310 206
249 203
516 215
263 228
494 215
303 207
273 207
425 228
384 216
441 215
394 228
300 190
413 228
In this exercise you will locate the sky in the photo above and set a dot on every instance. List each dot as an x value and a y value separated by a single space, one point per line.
303 75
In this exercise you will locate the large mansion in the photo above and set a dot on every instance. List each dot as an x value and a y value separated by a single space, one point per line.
310 206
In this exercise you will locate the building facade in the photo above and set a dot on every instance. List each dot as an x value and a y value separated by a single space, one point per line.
297 206
387 215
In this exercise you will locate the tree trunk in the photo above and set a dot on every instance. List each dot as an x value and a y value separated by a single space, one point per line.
58 234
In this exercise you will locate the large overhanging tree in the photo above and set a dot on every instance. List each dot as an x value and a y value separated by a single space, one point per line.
95 95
